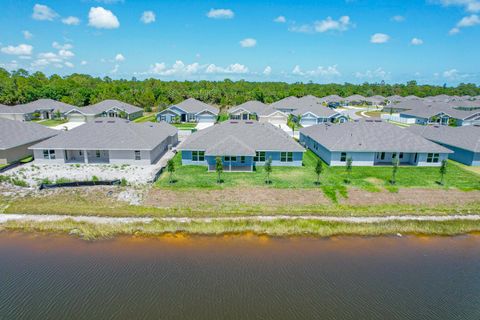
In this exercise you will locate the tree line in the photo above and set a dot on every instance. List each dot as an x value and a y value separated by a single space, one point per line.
20 86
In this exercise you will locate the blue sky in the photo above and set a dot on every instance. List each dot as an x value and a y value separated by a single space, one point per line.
431 41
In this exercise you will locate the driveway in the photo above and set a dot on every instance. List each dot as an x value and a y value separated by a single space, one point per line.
68 126
204 125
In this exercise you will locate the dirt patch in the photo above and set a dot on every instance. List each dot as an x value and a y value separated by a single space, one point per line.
248 196
408 196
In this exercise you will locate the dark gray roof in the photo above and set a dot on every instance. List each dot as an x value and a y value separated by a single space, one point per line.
106 105
256 107
465 137
192 105
286 103
240 138
333 98
111 134
45 104
16 133
369 136
355 97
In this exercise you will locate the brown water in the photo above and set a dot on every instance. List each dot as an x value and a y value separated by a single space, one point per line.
239 277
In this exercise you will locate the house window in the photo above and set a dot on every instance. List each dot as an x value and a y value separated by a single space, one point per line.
286 156
401 155
80 152
432 157
242 159
49 154
343 157
233 158
259 156
394 155
137 155
226 158
382 156
97 153
198 155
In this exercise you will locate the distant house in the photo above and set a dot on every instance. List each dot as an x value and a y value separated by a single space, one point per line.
17 136
256 110
242 145
38 109
376 100
190 110
369 143
106 108
355 99
309 109
463 141
108 140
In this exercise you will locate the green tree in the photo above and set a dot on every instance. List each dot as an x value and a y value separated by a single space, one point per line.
348 169
395 164
443 171
268 169
170 169
318 170
219 169
57 114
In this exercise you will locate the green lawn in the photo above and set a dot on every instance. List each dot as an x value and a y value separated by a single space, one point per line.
184 126
332 179
146 118
52 122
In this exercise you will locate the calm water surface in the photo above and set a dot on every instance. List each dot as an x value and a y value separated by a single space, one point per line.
239 277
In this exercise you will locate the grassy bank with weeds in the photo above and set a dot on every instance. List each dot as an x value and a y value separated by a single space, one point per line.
272 228
77 203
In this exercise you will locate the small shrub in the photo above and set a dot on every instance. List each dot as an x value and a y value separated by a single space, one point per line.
95 179
123 182
20 183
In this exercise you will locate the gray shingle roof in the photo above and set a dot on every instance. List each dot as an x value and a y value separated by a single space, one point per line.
256 107
192 105
111 134
240 138
305 104
369 136
105 105
465 137
16 133
45 104
285 103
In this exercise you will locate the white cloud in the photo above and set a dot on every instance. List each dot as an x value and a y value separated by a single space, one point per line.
280 19
233 68
101 18
71 21
220 14
42 12
248 43
83 62
379 38
20 50
398 18
115 69
27 34
12 65
67 54
465 22
378 73
342 24
450 74
267 71
468 5
416 42
119 57
148 17
69 64
320 71
66 46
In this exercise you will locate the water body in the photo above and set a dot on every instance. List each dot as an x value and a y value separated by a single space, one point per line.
247 277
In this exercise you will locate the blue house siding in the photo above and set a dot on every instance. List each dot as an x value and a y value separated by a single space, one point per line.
469 158
187 159
317 148
276 159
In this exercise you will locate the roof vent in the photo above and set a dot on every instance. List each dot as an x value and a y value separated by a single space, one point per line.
233 121
249 122
98 121
110 121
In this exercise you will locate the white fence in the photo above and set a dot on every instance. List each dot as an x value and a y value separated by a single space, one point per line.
397 118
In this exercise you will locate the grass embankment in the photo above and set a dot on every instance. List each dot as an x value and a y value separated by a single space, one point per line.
332 179
184 126
272 228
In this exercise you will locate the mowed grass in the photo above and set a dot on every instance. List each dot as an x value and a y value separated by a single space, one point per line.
53 122
185 126
368 178
146 118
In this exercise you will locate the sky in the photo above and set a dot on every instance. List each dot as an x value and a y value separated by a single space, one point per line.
356 41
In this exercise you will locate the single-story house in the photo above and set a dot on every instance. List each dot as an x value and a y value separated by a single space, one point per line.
242 145
452 113
256 110
355 99
106 108
38 109
376 100
108 140
463 141
369 143
17 136
190 110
